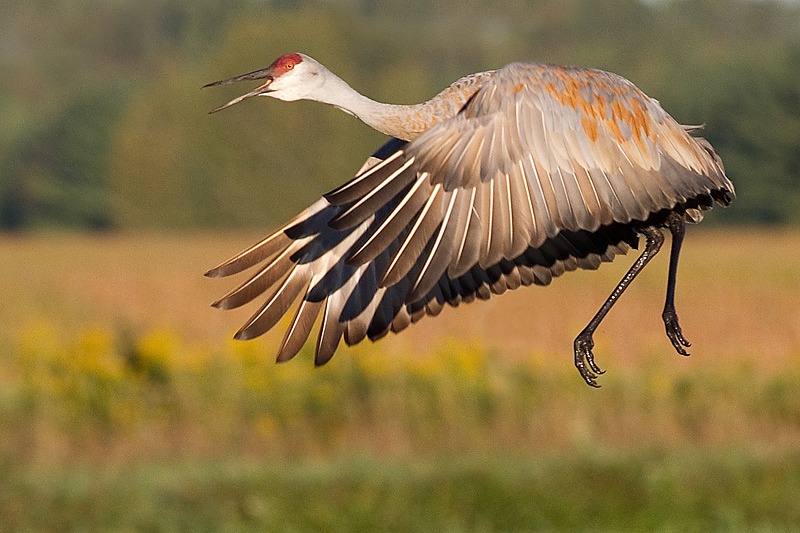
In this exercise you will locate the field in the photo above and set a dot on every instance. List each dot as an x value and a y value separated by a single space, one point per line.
125 406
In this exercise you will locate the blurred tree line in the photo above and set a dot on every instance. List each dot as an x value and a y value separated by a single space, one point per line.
104 124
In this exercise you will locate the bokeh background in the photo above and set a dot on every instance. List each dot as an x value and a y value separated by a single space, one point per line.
125 406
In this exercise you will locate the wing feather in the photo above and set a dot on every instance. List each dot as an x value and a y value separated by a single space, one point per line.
366 181
538 170
468 246
522 212
394 223
416 240
269 245
276 305
439 257
376 198
501 231
330 333
299 330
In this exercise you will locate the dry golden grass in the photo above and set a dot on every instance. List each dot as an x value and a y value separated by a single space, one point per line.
112 355
738 299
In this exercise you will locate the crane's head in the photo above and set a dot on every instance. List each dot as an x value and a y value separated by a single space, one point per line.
290 77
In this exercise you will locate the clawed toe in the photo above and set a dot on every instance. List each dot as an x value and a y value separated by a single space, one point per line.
674 332
584 359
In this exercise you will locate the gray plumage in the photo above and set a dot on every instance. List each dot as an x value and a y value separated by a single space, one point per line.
506 178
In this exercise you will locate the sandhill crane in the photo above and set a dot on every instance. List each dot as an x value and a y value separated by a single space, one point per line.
506 178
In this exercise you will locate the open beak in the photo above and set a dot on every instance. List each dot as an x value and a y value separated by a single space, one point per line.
261 74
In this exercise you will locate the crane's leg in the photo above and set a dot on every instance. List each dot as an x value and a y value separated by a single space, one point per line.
584 358
676 226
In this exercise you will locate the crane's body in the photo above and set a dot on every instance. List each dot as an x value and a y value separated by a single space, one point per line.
506 178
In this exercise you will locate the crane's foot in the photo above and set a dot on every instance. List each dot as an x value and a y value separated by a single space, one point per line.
674 330
584 358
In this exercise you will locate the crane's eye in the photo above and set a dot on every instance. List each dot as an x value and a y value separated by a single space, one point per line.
289 66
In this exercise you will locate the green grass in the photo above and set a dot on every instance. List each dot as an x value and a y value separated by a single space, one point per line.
682 491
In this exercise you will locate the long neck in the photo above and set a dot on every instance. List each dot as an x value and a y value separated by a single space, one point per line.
405 122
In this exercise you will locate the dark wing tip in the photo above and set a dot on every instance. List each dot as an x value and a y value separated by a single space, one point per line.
221 304
244 334
221 271
285 355
215 272
321 360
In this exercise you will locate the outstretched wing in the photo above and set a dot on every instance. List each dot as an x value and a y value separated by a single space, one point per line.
541 172
538 150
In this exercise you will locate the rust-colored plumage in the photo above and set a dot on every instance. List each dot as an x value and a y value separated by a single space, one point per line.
506 178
